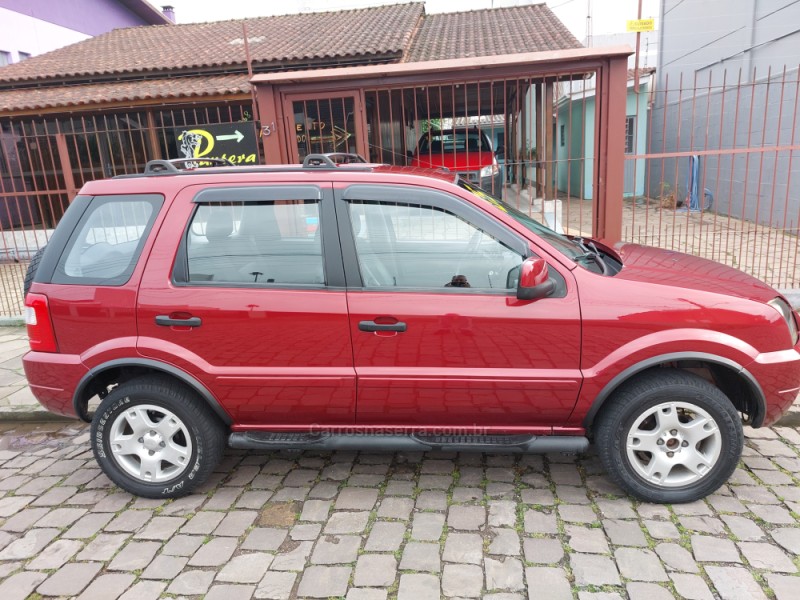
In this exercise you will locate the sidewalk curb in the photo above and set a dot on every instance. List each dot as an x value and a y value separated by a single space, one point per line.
32 416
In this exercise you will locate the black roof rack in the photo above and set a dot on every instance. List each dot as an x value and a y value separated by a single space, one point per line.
191 166
331 159
169 166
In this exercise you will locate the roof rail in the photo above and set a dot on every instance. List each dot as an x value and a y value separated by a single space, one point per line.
331 159
171 166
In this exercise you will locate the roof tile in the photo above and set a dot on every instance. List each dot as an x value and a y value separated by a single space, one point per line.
168 61
384 30
512 30
121 91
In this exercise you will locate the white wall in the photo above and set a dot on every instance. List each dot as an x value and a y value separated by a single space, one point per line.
21 33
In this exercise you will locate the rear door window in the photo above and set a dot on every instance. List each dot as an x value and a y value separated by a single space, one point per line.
108 240
256 243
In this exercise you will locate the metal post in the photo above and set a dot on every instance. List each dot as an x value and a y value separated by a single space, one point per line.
610 150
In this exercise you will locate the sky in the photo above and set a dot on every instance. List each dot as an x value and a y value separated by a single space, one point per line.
608 16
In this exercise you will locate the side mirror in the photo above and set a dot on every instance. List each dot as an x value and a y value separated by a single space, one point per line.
534 280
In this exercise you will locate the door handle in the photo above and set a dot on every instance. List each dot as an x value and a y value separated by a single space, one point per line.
373 326
167 321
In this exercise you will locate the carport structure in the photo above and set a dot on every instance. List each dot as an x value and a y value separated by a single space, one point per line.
382 111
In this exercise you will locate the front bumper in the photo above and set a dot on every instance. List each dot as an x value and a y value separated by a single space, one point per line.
53 379
778 374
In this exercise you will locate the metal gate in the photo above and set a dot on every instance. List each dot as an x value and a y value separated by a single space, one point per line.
45 161
720 172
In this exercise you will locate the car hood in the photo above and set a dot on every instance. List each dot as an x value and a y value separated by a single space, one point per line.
667 267
455 161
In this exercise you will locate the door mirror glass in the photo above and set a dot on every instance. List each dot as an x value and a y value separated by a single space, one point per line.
534 280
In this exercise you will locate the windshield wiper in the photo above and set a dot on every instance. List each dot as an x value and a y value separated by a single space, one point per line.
591 251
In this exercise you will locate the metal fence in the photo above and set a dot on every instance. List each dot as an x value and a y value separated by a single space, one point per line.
45 161
721 173
710 164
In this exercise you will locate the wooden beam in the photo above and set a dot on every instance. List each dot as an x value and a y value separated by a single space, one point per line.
162 103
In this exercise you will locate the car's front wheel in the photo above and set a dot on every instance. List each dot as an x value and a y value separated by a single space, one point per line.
155 438
669 436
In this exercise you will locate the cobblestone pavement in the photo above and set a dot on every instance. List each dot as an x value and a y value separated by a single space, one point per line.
412 526
15 395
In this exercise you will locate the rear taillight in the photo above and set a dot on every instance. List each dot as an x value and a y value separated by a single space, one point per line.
40 327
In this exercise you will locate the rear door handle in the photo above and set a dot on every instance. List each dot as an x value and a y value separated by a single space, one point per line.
167 321
373 326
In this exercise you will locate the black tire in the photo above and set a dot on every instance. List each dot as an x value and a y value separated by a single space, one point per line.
645 392
206 435
32 267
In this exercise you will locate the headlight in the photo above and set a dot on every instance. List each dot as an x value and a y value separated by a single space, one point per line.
489 170
788 315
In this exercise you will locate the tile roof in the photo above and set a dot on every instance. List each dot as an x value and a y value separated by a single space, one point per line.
122 91
643 72
512 30
185 61
383 30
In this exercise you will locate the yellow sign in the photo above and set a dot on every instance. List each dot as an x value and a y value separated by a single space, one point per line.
641 25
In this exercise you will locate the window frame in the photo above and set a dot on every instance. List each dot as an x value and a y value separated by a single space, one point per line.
399 193
333 269
630 134
93 204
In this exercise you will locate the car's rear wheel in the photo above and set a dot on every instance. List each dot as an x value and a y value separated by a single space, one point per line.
155 438
669 436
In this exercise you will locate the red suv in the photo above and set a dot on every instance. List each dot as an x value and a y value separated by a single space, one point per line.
373 307
467 152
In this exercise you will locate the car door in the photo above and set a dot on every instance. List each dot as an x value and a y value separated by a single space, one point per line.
439 337
244 289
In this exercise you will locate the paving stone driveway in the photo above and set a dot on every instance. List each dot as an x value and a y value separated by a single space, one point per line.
412 526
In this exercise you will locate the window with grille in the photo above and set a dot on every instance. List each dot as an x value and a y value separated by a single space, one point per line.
630 132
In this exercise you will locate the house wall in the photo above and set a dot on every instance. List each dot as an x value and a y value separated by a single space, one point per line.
702 43
89 17
572 176
38 26
21 33
637 167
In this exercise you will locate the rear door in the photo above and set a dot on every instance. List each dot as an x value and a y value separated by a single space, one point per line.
245 290
439 336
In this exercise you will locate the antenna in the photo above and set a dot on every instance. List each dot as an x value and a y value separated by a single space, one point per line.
589 23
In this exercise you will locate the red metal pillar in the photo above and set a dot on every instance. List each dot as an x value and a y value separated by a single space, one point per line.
274 136
610 149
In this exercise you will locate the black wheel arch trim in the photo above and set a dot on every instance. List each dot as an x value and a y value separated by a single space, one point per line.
648 363
183 376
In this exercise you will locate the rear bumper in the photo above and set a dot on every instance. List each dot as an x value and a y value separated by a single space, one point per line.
53 379
778 373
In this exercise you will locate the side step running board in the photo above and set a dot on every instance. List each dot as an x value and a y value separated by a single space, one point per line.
522 444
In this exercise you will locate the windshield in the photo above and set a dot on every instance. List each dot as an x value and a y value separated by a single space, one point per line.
558 241
454 141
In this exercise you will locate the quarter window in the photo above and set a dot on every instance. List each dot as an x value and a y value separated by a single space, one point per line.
108 240
256 243
413 246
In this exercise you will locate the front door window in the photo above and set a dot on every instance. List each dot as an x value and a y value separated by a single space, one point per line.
413 246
